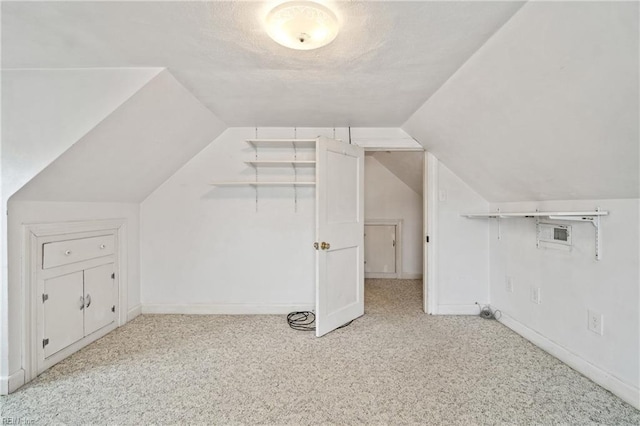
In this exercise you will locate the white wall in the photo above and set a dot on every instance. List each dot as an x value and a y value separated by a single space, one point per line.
461 245
571 283
387 197
207 249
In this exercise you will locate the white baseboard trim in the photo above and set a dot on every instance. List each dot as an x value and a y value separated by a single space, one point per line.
623 390
12 383
457 310
390 276
409 276
134 312
225 309
380 275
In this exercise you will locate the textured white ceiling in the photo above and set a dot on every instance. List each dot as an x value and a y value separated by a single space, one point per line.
388 58
548 109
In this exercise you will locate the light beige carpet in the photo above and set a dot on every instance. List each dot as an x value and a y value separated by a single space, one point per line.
395 365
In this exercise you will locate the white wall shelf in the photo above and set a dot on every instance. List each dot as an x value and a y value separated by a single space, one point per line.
284 163
566 215
293 163
275 143
592 217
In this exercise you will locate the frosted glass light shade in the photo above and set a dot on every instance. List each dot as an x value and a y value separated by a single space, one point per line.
302 25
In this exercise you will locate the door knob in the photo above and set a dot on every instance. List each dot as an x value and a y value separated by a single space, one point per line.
325 246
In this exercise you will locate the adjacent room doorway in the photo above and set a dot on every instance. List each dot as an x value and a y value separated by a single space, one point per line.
395 220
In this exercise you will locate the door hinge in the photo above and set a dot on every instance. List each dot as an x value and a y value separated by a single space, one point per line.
113 276
427 238
113 308
45 342
45 297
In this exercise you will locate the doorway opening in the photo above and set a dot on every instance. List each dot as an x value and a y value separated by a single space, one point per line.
395 230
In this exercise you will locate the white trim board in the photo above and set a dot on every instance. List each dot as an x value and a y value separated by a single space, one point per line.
431 201
134 312
457 309
393 276
11 383
226 308
624 391
410 276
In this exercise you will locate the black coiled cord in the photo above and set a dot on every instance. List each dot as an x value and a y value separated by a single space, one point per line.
302 320
305 321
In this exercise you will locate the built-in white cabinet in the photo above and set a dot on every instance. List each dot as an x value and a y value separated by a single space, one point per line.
76 305
77 293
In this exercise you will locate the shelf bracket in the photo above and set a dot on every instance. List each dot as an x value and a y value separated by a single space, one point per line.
594 220
295 173
255 147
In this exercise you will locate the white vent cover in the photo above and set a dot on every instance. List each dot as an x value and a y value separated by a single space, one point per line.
550 235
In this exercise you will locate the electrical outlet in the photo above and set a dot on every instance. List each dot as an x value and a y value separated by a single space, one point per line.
536 296
595 322
509 284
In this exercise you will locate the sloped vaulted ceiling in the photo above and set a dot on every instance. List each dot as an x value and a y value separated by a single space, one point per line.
546 109
132 151
44 112
525 102
388 58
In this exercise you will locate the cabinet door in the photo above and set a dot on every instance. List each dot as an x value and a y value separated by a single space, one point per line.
380 249
99 296
63 312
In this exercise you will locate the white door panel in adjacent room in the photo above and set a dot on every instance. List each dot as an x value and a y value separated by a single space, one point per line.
63 312
380 249
339 233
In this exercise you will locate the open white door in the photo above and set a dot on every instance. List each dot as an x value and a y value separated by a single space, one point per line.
339 234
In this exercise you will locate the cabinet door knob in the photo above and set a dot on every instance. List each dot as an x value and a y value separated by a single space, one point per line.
102 246
81 303
68 252
88 299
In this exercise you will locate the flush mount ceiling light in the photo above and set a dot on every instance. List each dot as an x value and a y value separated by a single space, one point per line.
302 25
